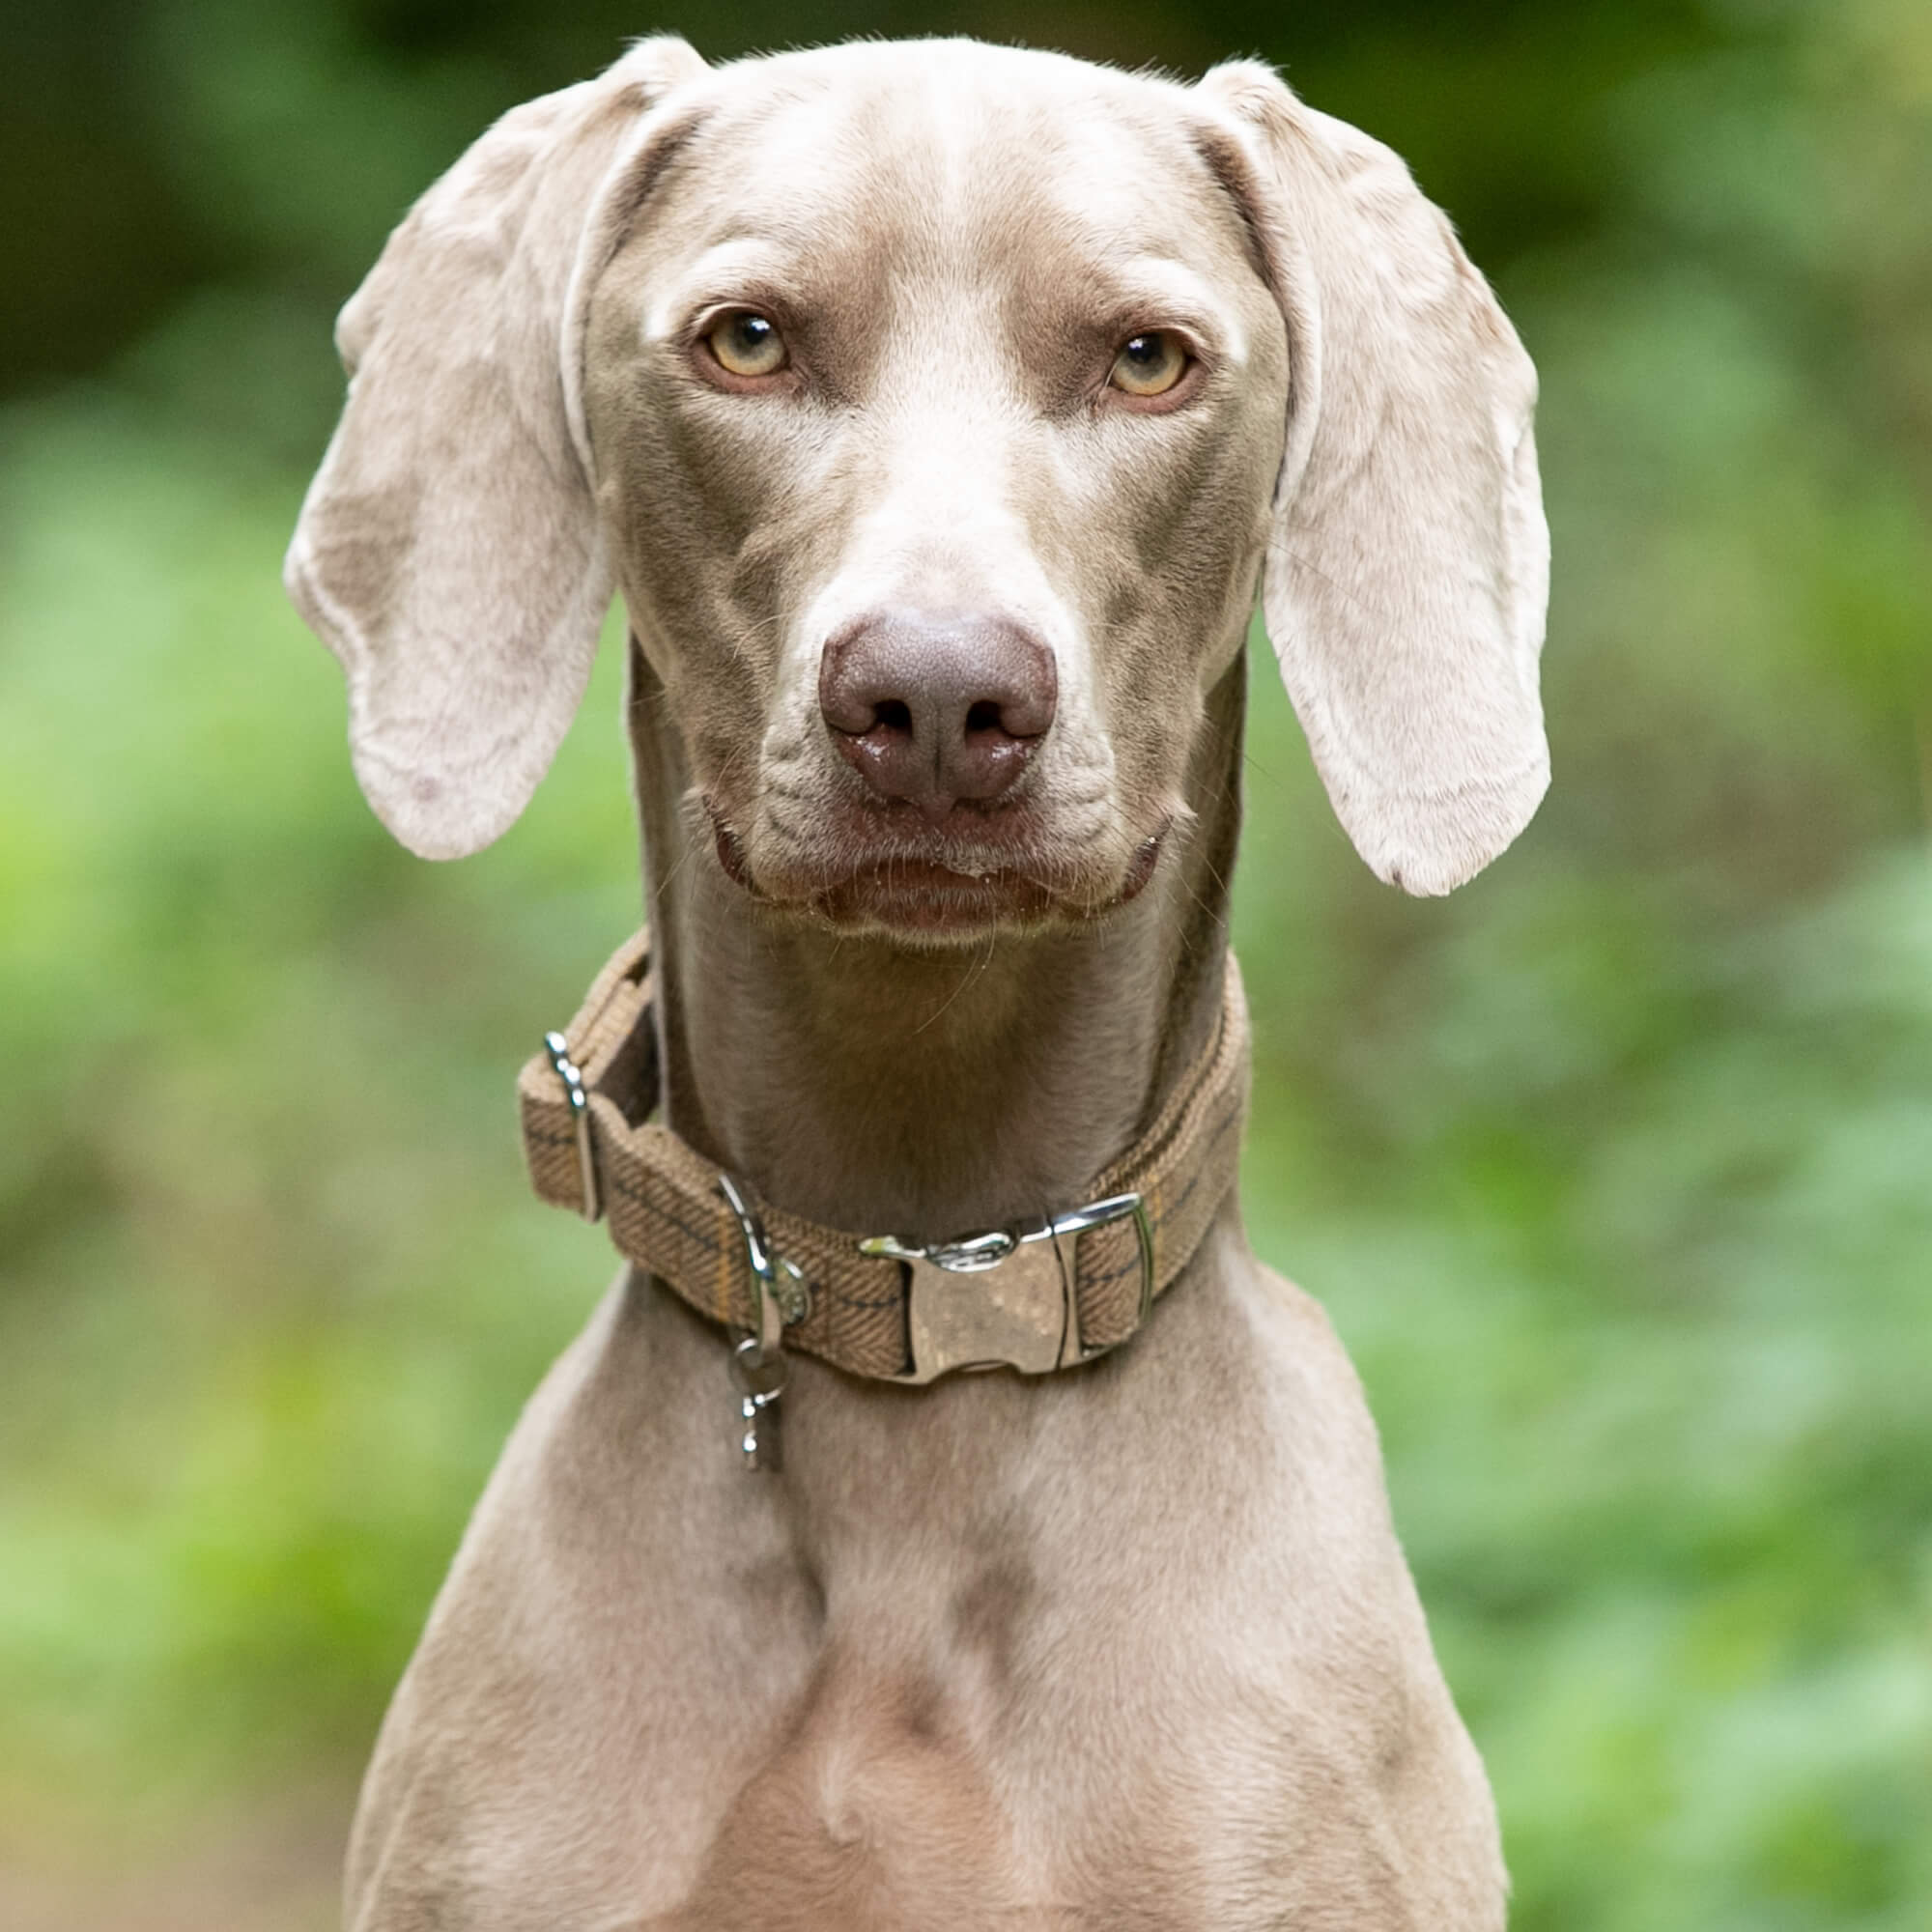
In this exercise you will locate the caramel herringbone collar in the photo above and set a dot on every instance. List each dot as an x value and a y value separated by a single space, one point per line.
1044 1294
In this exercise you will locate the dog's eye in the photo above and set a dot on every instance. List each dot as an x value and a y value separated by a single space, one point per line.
746 344
1150 364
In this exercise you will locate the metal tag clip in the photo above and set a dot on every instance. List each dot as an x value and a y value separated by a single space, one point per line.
782 1296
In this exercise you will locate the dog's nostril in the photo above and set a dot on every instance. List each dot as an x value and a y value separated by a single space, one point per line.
935 707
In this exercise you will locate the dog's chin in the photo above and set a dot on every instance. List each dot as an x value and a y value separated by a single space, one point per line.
917 898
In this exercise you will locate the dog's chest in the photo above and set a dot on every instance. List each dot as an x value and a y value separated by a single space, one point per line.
1066 1704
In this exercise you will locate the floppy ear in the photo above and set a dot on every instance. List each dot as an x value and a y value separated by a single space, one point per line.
448 551
1407 564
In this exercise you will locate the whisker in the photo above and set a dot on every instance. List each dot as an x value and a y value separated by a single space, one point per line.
974 969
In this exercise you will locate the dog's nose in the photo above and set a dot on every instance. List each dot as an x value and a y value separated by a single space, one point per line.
937 707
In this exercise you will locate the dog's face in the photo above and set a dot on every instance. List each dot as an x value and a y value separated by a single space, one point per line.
962 362
935 408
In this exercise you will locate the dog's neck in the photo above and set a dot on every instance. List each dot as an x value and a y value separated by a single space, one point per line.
926 1092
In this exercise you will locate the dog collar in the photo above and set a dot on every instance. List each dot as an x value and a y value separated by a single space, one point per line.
1050 1292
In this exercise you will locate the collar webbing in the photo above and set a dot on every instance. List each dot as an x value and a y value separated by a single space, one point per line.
592 1148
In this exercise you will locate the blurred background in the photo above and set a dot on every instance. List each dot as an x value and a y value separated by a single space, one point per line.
1615 1170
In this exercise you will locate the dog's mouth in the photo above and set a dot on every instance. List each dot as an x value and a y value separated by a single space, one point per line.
937 887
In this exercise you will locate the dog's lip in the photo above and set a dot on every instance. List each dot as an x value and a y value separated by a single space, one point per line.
917 890
730 852
923 896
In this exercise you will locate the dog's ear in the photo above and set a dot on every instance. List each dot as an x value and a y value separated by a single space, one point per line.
1407 564
449 552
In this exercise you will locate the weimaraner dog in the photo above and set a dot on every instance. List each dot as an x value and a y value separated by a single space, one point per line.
939 410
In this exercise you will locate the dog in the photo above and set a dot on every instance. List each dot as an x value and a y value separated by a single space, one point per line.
939 412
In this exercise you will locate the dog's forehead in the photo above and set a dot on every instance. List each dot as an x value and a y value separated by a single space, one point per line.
935 146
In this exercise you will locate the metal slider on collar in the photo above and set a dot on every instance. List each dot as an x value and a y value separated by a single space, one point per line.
578 1101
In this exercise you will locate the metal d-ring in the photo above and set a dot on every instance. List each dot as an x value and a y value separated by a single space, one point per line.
572 1076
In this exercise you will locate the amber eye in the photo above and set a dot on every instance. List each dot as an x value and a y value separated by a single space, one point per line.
1150 364
746 344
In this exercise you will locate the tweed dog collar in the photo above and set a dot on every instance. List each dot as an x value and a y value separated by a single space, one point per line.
1042 1294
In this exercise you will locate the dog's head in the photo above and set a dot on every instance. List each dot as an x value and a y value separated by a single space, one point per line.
935 408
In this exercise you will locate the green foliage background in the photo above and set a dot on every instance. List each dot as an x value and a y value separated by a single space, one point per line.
1615 1170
